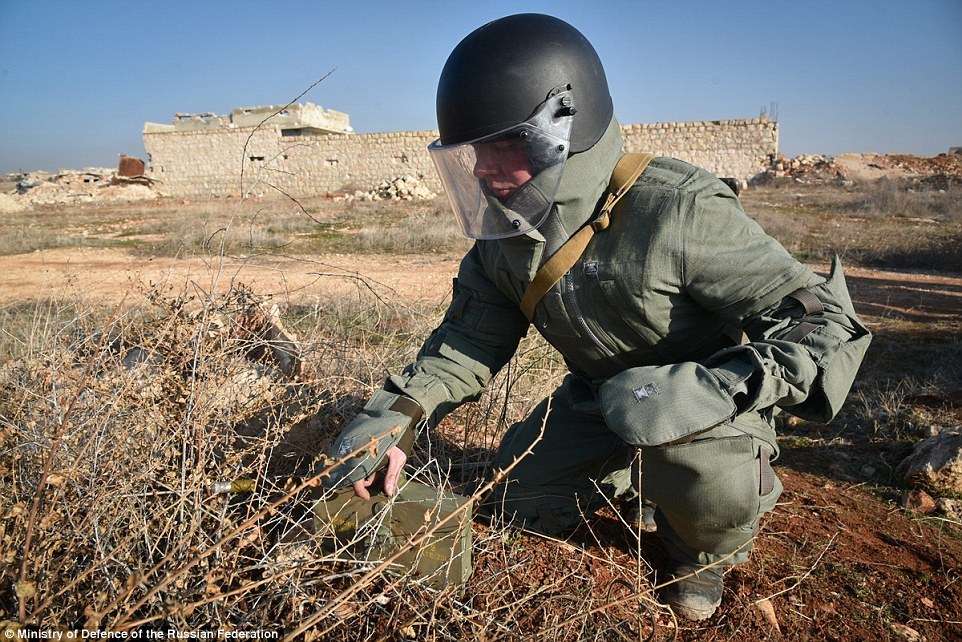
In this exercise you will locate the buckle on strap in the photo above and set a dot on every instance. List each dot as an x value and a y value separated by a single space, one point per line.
601 223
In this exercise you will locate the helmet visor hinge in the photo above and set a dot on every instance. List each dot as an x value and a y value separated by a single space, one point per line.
566 101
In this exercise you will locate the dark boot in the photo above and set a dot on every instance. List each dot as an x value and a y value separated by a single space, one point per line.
695 591
642 517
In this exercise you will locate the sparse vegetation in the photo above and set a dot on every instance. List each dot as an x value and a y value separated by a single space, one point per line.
115 420
885 224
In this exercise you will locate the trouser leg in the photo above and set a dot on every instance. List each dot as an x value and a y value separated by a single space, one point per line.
577 466
712 491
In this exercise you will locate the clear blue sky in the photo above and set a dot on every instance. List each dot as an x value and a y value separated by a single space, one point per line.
78 79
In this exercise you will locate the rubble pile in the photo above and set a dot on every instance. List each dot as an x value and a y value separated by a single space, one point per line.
67 187
807 168
939 172
402 188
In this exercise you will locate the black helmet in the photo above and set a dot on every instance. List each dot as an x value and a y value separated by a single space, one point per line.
501 73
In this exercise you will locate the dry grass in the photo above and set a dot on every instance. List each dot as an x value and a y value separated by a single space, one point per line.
231 228
114 424
885 224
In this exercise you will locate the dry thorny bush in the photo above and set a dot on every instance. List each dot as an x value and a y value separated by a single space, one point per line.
115 428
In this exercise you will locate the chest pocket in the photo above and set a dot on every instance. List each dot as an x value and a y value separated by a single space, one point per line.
553 320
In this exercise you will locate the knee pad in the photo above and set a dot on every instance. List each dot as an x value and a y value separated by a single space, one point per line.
711 492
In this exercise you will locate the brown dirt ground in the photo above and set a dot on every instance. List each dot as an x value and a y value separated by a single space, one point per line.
833 561
108 274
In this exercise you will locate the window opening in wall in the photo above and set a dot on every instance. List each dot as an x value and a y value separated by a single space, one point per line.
257 158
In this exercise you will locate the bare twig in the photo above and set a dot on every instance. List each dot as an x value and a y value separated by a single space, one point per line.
234 533
47 469
804 575
386 563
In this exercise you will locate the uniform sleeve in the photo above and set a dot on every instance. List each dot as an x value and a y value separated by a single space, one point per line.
804 340
731 266
805 352
480 333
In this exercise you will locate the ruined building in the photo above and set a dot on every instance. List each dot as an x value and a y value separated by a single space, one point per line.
305 150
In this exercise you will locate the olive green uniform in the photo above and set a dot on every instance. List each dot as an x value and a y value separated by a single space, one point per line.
679 268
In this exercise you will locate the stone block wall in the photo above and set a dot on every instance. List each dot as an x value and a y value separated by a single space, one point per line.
208 163
740 149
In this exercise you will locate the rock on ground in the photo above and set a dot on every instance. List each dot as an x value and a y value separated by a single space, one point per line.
936 462
10 204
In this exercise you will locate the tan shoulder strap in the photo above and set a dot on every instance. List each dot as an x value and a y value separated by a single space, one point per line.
626 172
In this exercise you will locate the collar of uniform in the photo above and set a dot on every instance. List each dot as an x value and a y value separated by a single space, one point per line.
585 181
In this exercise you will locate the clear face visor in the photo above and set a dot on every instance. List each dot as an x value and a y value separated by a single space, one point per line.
504 184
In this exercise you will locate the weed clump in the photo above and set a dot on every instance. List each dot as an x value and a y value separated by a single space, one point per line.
115 426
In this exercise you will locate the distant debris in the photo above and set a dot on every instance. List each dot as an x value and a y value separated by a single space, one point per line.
130 167
806 168
27 183
131 171
93 184
402 188
939 172
955 150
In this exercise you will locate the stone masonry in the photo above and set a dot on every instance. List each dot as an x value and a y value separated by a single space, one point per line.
210 156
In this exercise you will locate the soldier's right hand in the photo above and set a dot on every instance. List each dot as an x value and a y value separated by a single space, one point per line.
387 421
396 458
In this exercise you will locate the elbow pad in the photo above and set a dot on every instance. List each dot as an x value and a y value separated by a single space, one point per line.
808 355
836 340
